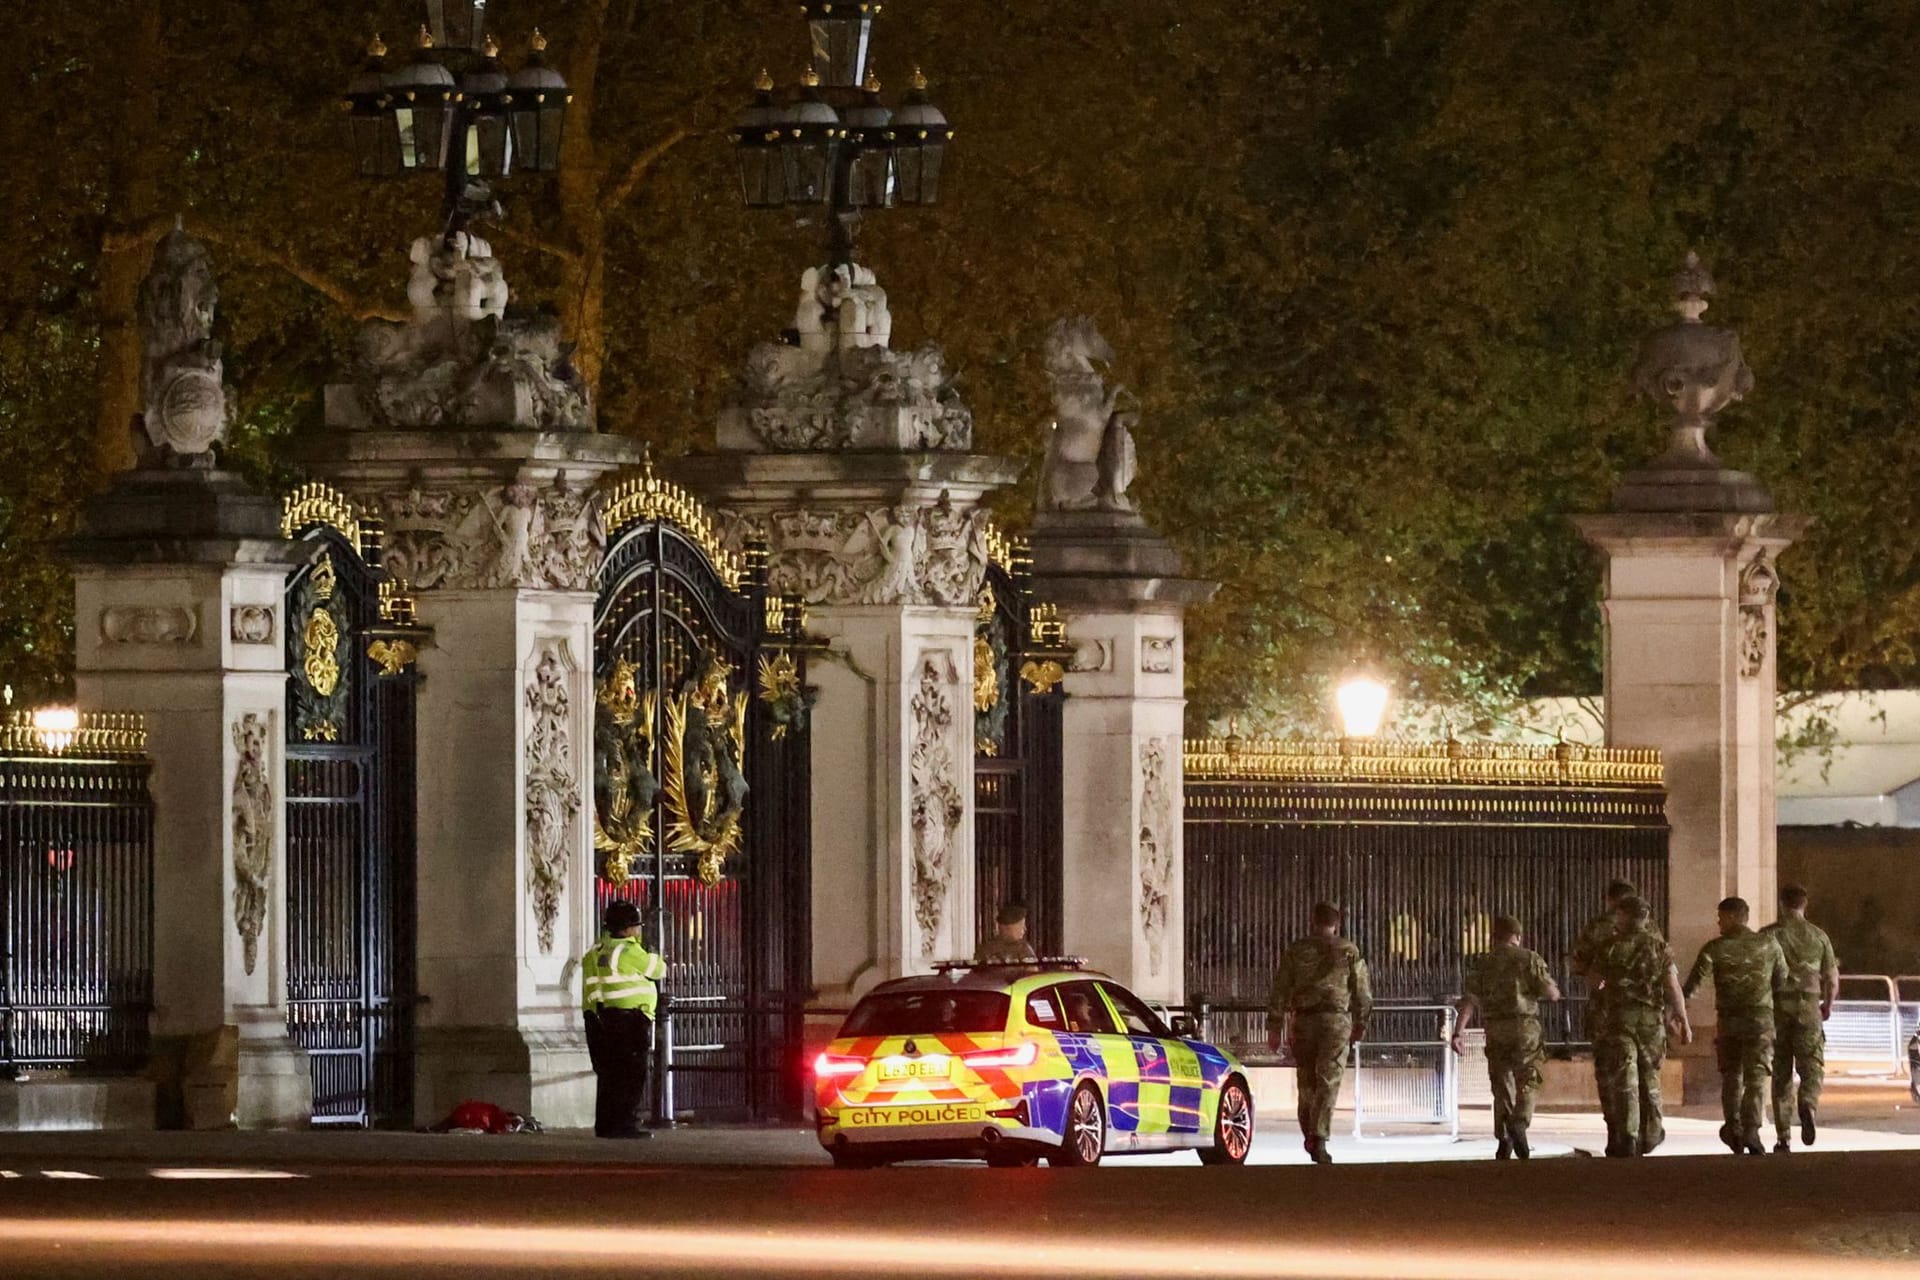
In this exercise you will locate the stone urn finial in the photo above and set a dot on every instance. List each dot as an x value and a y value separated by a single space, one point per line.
1696 369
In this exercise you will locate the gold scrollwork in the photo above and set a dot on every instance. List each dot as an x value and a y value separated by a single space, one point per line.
648 497
320 639
781 692
1042 676
312 504
624 787
394 656
705 787
986 675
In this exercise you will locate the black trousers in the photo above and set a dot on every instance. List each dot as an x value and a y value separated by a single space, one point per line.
617 1042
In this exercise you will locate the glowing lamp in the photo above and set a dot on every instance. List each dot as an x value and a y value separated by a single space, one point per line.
1363 705
56 727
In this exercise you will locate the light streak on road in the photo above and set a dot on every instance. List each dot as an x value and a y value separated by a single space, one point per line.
218 1175
681 1250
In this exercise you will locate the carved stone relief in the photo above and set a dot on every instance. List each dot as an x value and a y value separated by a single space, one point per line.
251 624
252 831
149 624
553 785
937 803
1759 582
1156 849
901 555
516 535
1090 457
1157 654
1091 654
836 385
186 407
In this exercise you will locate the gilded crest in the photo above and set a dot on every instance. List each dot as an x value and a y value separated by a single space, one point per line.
624 788
785 698
319 656
705 785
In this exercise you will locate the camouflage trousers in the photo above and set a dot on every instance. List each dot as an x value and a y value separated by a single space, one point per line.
1320 1043
1743 1048
1799 1047
1514 1056
1627 1053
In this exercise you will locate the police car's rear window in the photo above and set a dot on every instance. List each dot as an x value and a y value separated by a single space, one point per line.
909 1013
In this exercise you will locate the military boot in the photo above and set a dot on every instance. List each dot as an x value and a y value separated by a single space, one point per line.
1517 1135
1317 1151
1783 1147
1807 1131
1751 1141
1503 1150
1731 1136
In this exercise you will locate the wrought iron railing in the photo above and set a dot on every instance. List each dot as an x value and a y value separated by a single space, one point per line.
76 890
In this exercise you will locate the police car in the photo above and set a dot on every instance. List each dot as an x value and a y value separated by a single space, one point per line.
1009 1063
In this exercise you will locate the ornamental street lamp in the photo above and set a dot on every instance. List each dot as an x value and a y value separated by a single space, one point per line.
831 142
479 124
1362 701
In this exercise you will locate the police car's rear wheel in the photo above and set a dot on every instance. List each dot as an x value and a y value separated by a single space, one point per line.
1086 1137
1233 1128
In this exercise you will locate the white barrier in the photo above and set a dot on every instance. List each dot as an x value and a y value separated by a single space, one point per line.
1868 1037
1412 1081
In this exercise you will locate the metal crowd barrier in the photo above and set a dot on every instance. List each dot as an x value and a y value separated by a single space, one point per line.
1405 1073
1868 1036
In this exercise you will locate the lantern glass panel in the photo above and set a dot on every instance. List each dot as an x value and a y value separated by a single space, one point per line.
810 159
422 128
489 146
536 132
870 179
376 142
763 175
920 168
457 24
840 46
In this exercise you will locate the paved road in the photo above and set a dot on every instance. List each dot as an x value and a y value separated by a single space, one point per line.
565 1213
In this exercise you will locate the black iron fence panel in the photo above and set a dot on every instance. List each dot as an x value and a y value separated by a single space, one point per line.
703 799
1421 870
76 888
351 865
1017 767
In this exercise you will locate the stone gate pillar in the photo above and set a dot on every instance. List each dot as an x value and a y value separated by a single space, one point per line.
1691 550
1123 594
852 463
483 473
179 571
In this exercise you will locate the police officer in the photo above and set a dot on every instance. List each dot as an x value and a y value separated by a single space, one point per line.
1505 986
1800 1042
617 993
1007 944
1320 1004
1746 968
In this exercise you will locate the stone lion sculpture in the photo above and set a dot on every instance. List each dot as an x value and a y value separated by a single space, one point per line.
1090 459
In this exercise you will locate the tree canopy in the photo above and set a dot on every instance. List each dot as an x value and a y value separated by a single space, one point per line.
1375 271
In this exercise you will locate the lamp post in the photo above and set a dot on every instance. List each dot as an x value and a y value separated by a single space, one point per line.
831 142
454 109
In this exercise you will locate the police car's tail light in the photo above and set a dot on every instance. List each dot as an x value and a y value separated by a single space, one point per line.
838 1064
1023 1054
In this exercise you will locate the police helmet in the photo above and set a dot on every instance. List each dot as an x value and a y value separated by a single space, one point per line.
620 915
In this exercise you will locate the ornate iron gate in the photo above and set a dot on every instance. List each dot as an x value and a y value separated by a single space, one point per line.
702 798
1019 660
350 816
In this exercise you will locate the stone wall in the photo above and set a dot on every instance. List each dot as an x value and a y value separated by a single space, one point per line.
1865 883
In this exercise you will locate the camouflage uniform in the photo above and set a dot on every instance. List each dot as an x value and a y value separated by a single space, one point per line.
995 949
1508 984
1746 968
1799 1040
1586 949
1323 984
1630 1034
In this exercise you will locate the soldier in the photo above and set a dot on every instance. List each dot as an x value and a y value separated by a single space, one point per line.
1007 944
1637 981
1746 968
618 996
1597 934
1799 1041
1319 1007
1505 987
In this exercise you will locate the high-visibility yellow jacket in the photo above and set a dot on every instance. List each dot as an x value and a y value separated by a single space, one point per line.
619 973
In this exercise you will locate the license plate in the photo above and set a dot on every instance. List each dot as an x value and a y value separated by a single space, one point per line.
917 1069
927 1113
